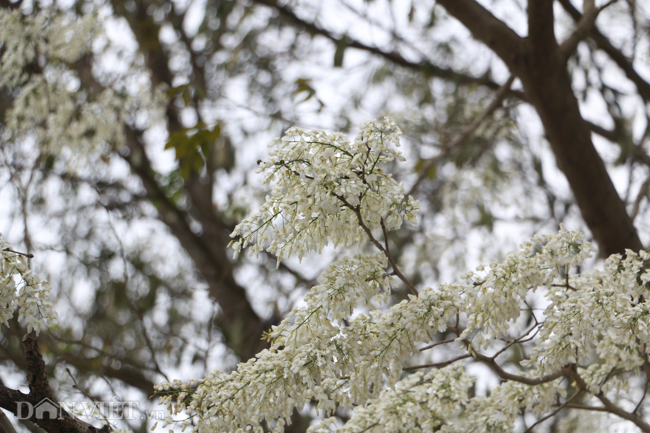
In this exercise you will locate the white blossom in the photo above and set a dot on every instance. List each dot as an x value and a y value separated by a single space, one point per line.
21 289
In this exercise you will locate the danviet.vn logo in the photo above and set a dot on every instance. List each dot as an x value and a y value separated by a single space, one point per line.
107 410
44 409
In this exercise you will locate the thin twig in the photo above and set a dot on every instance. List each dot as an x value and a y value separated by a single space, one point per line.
643 192
431 346
518 340
29 256
383 229
369 427
438 364
357 212
645 392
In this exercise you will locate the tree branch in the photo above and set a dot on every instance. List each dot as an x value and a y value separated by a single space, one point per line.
378 244
643 87
438 364
239 323
36 377
465 134
488 29
541 31
393 56
608 405
494 366
555 412
583 27
40 390
542 69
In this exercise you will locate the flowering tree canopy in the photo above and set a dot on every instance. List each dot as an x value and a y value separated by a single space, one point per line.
129 135
556 338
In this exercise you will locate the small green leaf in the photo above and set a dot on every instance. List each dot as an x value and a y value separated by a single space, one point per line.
303 85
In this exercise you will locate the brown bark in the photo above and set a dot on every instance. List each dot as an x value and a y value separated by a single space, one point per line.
541 66
39 389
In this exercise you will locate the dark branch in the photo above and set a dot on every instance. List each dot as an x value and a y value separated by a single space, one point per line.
584 26
392 56
36 377
18 403
488 29
643 87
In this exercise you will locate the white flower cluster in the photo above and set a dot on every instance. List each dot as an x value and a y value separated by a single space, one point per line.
499 411
593 336
20 288
495 297
327 189
600 320
349 283
419 403
35 66
314 359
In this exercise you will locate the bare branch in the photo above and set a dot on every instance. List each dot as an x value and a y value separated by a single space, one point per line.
490 362
608 405
439 343
583 28
488 29
36 377
555 412
643 87
392 56
29 256
643 192
39 390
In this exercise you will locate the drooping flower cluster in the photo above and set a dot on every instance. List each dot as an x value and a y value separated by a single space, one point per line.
419 403
314 359
327 189
340 350
21 289
601 320
496 298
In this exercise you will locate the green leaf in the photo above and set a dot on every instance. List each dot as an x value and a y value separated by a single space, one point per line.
304 85
192 146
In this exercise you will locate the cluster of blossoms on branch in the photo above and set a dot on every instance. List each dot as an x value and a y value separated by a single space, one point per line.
21 289
327 189
343 351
